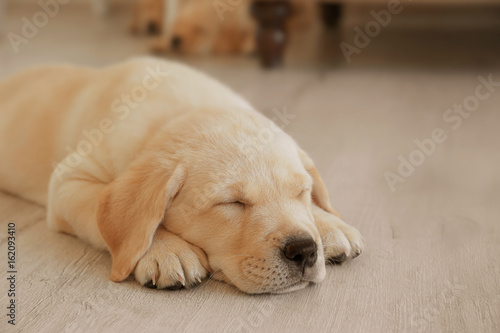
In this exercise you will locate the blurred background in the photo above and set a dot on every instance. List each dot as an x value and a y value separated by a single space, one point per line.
408 34
364 85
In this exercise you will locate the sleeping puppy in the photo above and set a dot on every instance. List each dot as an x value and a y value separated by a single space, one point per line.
222 27
198 28
173 173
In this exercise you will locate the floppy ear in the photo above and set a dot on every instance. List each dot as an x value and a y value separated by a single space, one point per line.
131 208
319 191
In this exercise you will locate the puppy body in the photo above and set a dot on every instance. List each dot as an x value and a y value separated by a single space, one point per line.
46 113
167 169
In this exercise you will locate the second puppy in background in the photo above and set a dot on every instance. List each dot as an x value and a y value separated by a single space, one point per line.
206 27
148 17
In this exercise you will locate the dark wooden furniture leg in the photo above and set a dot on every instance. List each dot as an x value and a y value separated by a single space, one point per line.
331 13
271 32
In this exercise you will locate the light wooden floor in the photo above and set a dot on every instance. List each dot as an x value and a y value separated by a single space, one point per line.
433 257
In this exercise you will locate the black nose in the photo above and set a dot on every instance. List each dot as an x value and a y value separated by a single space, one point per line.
302 251
176 42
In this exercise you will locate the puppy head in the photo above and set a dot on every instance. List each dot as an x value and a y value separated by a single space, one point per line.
200 29
194 29
231 183
246 201
148 17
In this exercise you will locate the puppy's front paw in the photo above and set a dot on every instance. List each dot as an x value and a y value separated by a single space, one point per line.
340 240
171 263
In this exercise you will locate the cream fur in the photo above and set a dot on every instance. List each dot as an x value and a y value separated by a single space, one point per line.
148 160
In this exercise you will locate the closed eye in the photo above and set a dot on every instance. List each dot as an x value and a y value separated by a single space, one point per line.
304 192
236 202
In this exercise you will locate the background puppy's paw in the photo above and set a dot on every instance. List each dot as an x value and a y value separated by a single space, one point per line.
171 263
160 45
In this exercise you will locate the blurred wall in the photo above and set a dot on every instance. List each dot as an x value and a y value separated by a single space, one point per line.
427 15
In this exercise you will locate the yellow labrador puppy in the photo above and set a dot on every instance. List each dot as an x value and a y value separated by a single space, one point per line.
173 173
218 27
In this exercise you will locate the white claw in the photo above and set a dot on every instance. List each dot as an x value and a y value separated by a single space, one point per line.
181 279
198 278
153 278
